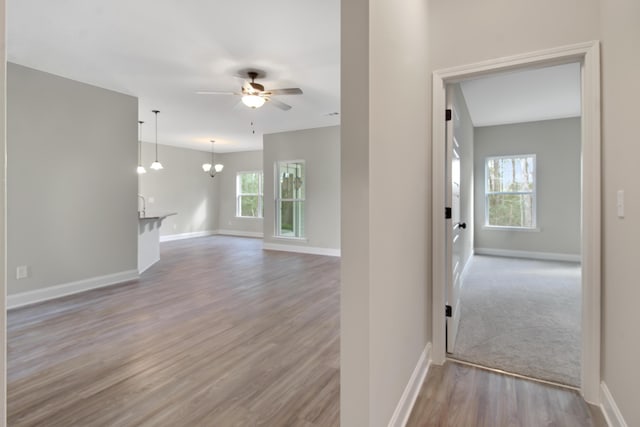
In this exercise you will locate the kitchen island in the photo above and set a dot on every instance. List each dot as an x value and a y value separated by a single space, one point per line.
149 238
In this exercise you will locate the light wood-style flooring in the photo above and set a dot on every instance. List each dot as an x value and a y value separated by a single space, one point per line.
219 333
458 395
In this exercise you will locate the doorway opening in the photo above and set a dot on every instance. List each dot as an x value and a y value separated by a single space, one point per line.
513 243
587 55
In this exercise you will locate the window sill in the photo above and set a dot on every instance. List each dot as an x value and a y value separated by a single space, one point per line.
503 228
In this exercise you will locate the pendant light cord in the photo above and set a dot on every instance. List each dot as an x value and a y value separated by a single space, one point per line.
140 144
156 112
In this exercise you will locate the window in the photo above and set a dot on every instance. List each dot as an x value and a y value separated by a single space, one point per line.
290 195
249 194
510 196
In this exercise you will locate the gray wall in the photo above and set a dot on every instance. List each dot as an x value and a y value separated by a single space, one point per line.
71 181
518 27
463 132
556 144
182 187
355 275
3 275
244 161
621 293
320 148
386 174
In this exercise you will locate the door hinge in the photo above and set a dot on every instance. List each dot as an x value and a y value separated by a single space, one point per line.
447 213
448 311
447 114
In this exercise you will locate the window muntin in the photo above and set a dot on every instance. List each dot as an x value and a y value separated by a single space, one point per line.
510 194
249 194
290 198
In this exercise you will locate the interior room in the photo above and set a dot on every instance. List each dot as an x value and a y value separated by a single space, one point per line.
516 215
173 199
233 213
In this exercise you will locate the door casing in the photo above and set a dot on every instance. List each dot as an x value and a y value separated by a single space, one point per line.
588 54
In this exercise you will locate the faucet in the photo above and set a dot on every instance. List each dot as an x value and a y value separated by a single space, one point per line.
144 205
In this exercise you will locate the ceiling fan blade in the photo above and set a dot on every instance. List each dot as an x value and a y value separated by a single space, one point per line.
279 104
215 92
287 91
247 88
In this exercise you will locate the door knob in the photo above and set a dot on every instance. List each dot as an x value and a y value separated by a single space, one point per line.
462 225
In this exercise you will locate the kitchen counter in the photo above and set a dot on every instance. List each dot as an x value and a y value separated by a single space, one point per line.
149 238
160 216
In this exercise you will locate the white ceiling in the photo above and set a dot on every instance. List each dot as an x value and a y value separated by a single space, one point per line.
164 51
524 96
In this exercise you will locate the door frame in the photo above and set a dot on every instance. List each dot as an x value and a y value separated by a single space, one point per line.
588 54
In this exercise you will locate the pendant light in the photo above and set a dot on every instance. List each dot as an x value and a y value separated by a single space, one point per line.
156 166
140 168
213 168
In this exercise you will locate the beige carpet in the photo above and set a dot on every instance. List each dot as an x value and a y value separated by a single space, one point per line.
522 316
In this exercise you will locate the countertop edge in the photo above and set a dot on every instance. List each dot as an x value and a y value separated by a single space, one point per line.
157 216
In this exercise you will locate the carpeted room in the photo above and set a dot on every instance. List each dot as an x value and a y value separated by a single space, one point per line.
517 235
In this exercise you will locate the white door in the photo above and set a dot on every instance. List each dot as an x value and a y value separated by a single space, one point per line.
454 229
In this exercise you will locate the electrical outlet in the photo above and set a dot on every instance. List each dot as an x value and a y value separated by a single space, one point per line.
152 199
22 272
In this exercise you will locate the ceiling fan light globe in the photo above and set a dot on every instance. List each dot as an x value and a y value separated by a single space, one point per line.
218 167
253 101
206 167
156 166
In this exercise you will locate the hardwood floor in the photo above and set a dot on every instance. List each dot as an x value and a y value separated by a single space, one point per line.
219 333
458 395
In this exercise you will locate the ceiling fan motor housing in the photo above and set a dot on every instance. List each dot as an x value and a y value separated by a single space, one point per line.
257 87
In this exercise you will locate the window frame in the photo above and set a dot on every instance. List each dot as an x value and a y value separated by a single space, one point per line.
260 194
533 193
278 200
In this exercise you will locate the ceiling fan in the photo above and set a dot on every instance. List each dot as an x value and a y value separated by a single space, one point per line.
254 95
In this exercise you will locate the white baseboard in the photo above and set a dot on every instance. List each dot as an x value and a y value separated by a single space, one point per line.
301 249
51 292
612 414
408 399
180 236
549 256
240 233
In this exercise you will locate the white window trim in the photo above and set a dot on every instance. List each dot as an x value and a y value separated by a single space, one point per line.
508 228
278 200
260 195
533 193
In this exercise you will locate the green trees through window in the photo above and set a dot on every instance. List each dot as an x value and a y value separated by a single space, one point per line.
290 197
249 194
510 191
